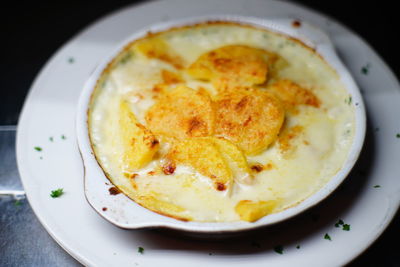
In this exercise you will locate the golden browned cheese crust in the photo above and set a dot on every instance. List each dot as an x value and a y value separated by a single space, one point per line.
250 118
291 94
233 65
182 113
154 47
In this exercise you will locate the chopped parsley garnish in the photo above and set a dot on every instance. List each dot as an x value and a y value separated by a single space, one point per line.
278 249
327 237
140 250
348 100
57 193
365 69
346 227
340 222
298 246
38 148
17 203
51 138
71 60
377 186
398 135
63 137
125 58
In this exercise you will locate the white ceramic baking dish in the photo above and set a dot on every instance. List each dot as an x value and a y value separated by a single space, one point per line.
125 213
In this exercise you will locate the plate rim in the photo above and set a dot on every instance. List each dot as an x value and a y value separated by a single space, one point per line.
22 119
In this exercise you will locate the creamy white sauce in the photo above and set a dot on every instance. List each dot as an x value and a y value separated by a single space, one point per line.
328 130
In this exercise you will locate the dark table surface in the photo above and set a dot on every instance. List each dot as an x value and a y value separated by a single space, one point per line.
33 30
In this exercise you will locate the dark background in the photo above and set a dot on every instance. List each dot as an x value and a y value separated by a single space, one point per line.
32 31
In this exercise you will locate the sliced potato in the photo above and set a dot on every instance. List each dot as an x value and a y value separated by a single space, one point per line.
251 211
287 138
182 113
153 203
203 155
157 48
249 118
139 143
291 94
232 154
233 64
170 77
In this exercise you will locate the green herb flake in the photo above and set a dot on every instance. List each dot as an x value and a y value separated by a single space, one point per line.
63 137
298 246
278 249
346 227
327 237
398 135
348 100
57 193
71 60
340 222
365 69
377 186
51 138
140 250
125 58
38 148
17 203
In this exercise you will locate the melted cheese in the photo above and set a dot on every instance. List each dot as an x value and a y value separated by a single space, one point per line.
312 145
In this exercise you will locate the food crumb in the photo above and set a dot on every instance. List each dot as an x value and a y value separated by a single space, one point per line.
104 209
296 23
114 191
257 167
169 168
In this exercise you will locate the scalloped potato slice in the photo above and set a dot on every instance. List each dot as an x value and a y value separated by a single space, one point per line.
155 204
232 154
139 143
203 155
291 94
250 118
157 48
233 64
182 113
251 211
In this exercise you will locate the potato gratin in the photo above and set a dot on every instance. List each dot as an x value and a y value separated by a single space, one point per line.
220 122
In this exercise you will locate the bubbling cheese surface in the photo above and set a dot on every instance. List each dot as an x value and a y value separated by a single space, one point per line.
220 122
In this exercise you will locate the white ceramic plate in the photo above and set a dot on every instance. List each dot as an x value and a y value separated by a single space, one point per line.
50 111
